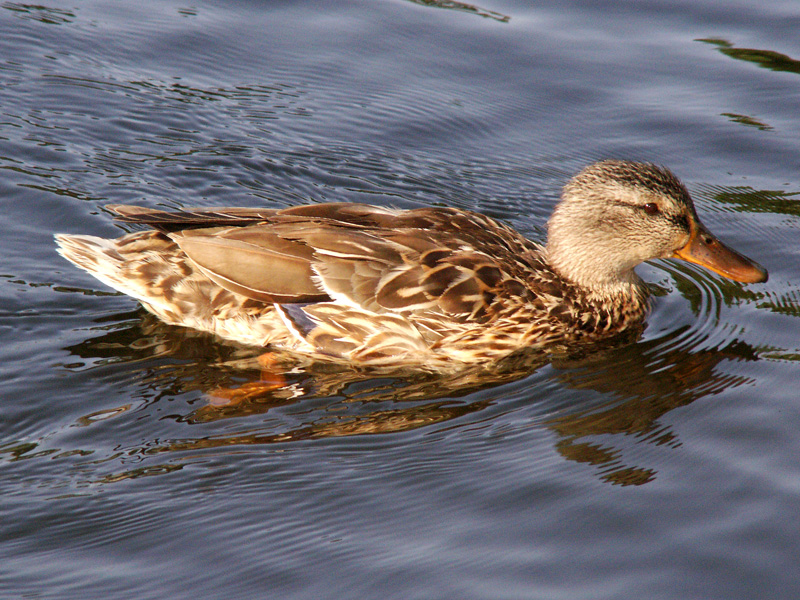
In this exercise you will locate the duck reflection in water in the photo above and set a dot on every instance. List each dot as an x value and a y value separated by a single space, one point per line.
637 384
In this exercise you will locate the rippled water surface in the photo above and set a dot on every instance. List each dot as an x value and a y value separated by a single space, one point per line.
144 461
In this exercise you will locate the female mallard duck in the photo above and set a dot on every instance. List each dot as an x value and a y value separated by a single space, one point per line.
427 286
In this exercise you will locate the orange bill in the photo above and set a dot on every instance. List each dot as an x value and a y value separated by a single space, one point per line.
707 251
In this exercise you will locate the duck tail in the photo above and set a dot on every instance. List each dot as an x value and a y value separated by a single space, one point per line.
104 259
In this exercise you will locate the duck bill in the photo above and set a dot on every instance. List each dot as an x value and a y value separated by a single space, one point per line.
707 251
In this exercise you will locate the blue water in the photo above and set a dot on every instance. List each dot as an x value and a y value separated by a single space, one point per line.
663 469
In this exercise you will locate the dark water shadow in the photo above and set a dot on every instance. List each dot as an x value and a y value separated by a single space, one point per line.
464 7
40 13
766 59
750 200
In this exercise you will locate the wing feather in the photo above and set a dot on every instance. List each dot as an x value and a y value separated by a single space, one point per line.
382 260
268 271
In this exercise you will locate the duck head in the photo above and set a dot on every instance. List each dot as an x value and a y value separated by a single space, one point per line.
614 215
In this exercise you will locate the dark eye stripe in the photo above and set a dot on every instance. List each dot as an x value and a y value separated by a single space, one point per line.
681 221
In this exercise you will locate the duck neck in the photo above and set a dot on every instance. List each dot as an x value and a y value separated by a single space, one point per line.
589 260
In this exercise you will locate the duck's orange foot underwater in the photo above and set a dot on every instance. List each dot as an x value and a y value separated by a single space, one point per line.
271 379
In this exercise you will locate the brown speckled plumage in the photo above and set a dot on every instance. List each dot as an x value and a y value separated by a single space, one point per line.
432 286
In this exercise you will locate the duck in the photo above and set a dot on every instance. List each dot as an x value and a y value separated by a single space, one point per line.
436 287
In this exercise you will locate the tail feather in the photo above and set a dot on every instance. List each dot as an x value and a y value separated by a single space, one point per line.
102 258
95 255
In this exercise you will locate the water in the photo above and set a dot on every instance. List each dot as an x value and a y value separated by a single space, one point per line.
662 469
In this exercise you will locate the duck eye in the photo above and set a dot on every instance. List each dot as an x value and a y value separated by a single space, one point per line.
651 208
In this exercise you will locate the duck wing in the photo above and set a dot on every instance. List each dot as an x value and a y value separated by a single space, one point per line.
437 260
